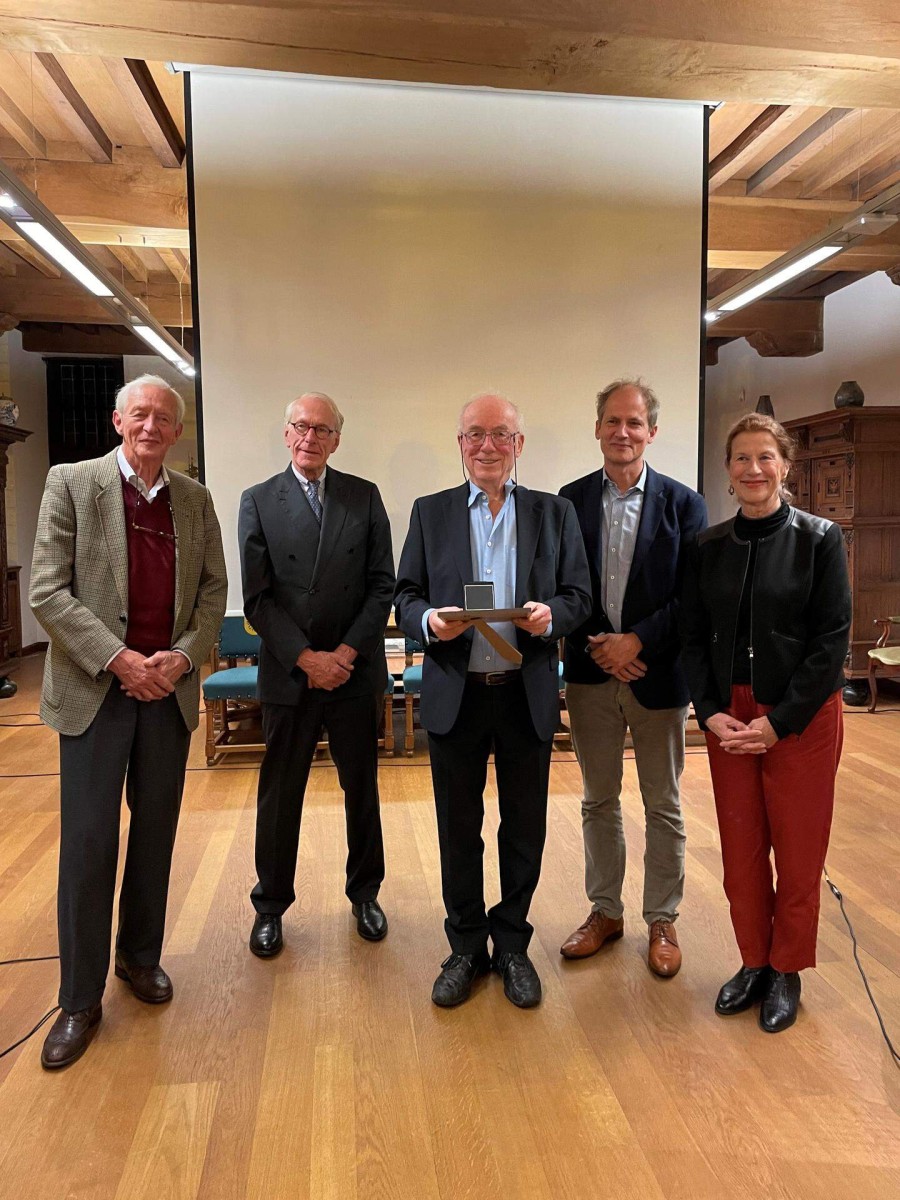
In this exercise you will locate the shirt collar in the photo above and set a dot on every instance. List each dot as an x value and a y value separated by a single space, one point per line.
131 476
476 492
301 478
640 486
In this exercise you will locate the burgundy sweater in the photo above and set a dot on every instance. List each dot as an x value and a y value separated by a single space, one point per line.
151 571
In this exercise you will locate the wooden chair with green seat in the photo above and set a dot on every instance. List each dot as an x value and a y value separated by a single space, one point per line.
229 692
883 659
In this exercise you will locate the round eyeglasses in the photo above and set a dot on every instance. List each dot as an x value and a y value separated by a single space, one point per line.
301 428
500 437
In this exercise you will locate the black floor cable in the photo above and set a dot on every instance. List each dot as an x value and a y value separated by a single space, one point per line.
8 962
884 1033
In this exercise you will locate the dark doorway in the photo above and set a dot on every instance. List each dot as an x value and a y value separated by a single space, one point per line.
80 398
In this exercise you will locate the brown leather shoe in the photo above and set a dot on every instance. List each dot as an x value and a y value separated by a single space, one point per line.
69 1037
664 955
150 984
589 937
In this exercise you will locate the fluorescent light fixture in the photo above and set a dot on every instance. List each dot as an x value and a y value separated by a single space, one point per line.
771 282
159 344
6 201
711 316
187 369
870 224
51 245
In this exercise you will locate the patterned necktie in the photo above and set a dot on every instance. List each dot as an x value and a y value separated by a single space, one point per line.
312 495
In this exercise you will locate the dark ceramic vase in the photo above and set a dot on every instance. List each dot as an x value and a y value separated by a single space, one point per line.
849 395
764 406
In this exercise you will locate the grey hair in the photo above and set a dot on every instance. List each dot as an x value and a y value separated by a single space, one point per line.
520 419
123 395
651 400
336 415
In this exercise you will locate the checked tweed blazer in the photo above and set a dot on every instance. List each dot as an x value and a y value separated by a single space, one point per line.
79 587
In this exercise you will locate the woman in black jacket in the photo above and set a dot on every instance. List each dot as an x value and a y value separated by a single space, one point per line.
765 617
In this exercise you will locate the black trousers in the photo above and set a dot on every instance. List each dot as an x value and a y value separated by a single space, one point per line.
490 718
143 744
291 733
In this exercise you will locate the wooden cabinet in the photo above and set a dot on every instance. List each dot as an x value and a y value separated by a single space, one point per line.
848 469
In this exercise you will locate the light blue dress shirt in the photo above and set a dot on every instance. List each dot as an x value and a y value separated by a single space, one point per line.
621 518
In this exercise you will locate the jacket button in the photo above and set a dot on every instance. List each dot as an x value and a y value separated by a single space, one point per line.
123 616
312 591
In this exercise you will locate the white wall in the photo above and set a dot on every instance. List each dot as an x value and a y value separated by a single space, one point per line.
402 248
862 342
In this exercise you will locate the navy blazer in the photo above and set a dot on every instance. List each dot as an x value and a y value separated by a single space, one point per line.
670 515
436 563
311 587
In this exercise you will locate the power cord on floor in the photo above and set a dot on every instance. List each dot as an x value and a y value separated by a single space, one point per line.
884 1033
8 962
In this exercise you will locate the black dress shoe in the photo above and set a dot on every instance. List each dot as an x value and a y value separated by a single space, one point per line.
150 984
69 1037
743 990
458 973
521 982
371 923
779 1007
265 937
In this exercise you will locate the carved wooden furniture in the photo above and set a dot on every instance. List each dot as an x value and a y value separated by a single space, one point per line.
848 469
9 621
883 658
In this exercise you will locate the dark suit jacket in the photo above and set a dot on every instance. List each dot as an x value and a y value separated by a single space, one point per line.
436 563
671 514
303 588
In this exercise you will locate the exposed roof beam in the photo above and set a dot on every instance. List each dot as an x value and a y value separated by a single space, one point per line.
71 107
20 127
39 299
133 79
878 178
799 51
177 264
804 147
851 158
29 254
117 235
131 261
857 258
777 328
750 142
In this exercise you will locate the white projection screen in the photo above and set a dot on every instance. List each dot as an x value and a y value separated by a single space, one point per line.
402 248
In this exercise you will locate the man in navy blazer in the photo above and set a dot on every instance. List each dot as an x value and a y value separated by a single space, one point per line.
622 671
318 575
475 702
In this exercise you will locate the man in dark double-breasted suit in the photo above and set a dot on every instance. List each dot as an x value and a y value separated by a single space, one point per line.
318 577
475 701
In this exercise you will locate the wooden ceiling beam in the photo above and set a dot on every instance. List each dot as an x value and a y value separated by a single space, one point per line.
750 142
757 225
118 235
125 193
21 128
133 79
798 51
79 338
31 255
71 107
776 328
803 148
857 258
39 299
878 179
177 264
131 261
851 159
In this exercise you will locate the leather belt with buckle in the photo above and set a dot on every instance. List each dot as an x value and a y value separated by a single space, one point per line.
491 678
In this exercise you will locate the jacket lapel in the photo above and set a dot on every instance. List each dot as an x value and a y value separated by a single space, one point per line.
528 528
592 521
304 530
651 515
334 514
111 512
183 518
456 514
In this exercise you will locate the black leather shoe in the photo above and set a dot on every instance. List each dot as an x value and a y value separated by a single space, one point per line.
743 990
265 938
371 923
69 1037
458 973
779 1007
521 982
150 984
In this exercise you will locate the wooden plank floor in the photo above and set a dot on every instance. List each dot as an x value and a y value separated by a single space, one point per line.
327 1073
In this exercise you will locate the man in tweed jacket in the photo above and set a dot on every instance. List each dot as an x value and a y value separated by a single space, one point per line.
128 579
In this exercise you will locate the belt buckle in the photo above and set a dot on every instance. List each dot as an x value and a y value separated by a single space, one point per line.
494 678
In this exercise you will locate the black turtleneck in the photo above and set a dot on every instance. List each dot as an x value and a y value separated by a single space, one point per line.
752 530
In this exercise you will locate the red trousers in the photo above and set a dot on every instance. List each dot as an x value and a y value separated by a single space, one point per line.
779 801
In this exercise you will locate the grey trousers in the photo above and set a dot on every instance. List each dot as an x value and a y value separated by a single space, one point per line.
600 714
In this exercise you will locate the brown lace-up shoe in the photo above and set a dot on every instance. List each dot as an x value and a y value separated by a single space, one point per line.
69 1037
664 955
589 937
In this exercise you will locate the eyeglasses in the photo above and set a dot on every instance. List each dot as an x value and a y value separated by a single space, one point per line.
145 529
500 437
301 428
